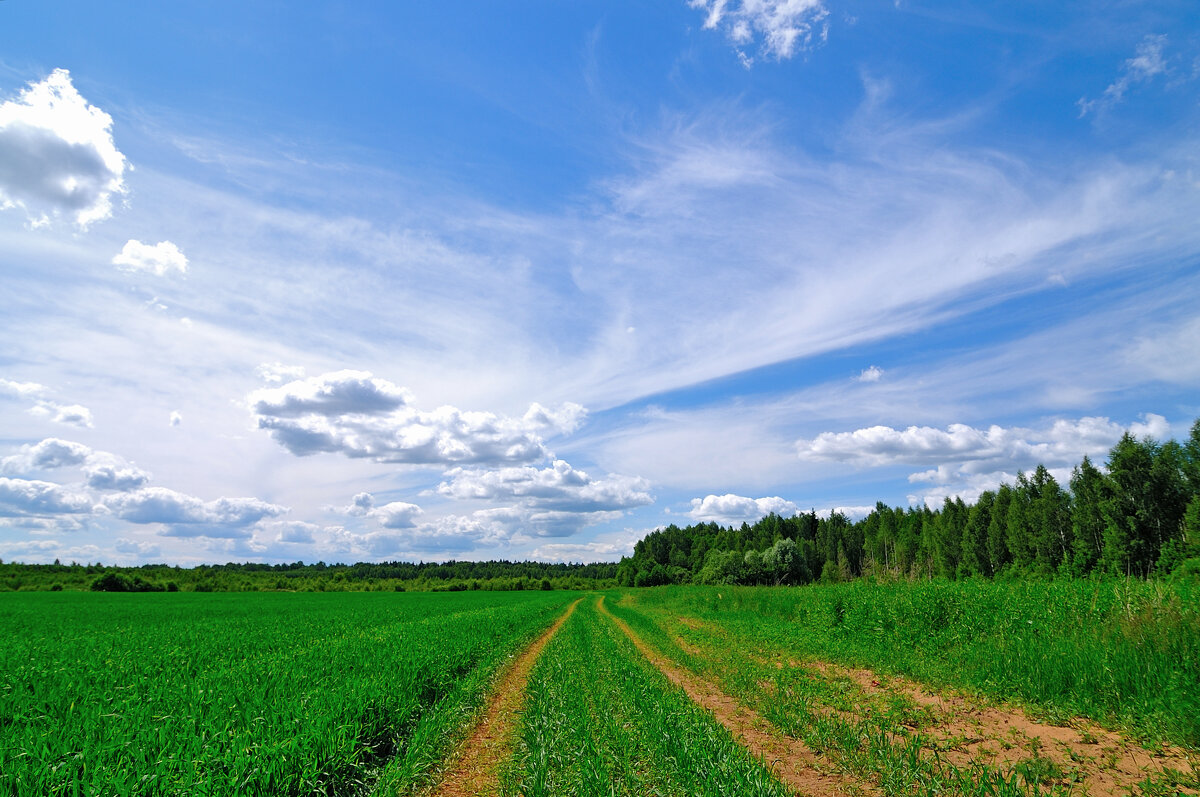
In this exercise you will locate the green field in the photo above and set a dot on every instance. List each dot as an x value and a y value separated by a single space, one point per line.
369 693
233 694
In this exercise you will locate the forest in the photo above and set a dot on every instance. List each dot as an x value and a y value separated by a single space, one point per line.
1139 516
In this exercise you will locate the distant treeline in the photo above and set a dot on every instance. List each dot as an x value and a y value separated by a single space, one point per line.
1140 516
300 577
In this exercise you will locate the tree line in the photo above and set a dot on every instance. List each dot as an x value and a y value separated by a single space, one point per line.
1138 515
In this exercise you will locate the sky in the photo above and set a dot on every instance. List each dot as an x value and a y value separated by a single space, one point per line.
377 281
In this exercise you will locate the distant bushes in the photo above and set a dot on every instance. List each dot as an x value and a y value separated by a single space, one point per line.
115 582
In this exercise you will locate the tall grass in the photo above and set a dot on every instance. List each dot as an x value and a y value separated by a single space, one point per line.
1126 653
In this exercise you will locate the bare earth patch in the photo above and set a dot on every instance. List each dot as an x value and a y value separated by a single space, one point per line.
966 729
789 759
475 769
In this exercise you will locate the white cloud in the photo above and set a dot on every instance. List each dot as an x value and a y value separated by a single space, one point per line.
33 497
158 259
66 414
784 26
730 508
188 516
48 454
292 531
57 154
558 487
871 374
102 470
277 373
360 416
608 547
109 472
140 549
359 505
966 461
1147 63
21 389
977 450
448 536
396 515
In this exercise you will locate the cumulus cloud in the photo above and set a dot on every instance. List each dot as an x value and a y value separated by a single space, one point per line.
361 416
966 461
48 454
158 259
359 505
188 516
32 497
109 472
396 515
1145 64
781 27
57 154
102 470
559 487
872 374
975 450
449 535
730 508
292 531
139 549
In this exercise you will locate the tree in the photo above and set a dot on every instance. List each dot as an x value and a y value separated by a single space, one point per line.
1089 491
975 561
999 556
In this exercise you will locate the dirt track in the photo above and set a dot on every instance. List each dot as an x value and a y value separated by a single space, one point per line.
476 767
790 759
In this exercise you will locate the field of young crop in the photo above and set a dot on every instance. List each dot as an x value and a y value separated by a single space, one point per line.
975 688
282 694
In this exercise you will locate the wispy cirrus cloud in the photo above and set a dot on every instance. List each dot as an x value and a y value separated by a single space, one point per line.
1147 63
781 28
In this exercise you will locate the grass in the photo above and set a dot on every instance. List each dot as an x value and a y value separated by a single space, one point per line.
246 694
601 720
1126 654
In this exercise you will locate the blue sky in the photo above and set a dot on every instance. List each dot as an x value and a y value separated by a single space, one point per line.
370 281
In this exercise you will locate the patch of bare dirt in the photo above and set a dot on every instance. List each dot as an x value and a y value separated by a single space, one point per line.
789 759
476 767
967 729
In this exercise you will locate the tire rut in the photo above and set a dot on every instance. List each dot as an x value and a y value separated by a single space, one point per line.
789 759
475 768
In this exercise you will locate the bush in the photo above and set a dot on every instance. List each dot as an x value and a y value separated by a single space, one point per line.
111 582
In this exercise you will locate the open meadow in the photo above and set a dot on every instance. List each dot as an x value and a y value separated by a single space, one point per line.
1066 687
